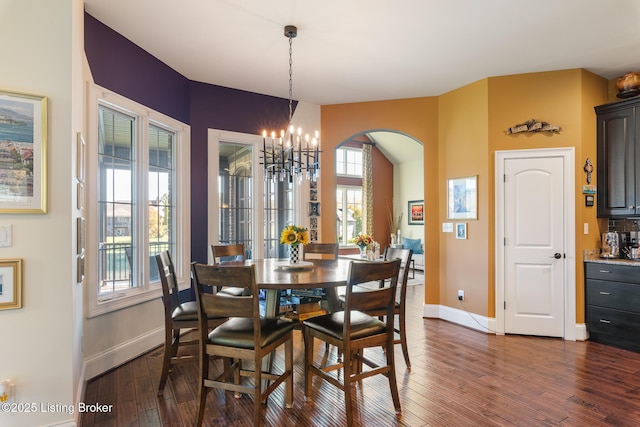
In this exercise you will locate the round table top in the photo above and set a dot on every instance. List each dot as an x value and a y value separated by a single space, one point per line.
275 274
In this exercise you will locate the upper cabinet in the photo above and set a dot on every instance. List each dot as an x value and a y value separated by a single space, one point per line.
618 157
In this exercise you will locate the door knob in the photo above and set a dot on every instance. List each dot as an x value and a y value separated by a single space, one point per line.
557 255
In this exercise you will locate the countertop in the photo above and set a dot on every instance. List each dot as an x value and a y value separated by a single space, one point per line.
593 255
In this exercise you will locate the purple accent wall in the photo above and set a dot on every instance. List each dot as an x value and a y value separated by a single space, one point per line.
121 66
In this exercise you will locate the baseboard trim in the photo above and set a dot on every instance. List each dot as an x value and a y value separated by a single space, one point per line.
478 322
116 356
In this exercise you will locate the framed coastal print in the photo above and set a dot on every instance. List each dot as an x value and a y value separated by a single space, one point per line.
462 198
461 231
23 153
416 212
10 284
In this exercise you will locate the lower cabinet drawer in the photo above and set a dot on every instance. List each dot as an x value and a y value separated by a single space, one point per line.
617 295
614 323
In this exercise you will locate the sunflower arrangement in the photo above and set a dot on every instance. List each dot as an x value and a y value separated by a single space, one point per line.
294 235
362 240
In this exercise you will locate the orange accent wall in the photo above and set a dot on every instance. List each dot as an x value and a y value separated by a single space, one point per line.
461 131
415 117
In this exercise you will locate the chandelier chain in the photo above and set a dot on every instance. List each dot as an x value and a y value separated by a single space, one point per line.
290 78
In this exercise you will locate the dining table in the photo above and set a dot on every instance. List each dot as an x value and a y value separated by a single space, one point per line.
274 275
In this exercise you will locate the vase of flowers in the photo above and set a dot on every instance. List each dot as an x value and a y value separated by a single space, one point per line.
294 235
363 241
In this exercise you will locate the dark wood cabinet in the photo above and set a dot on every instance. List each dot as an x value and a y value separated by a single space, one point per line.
613 304
618 157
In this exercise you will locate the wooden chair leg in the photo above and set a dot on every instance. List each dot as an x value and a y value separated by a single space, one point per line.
288 365
257 391
204 374
403 339
171 343
347 371
393 384
308 361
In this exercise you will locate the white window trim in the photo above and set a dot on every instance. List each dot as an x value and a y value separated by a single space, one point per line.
345 149
344 197
217 136
148 291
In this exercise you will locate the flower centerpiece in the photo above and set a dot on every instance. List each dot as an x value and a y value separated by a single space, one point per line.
294 235
363 241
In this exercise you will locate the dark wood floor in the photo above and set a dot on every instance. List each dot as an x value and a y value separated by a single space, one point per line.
460 377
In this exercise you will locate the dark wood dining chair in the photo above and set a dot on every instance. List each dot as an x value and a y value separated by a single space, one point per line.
229 253
400 309
320 251
353 330
177 316
245 336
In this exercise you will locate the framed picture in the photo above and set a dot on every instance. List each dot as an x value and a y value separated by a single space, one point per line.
314 208
10 284
80 157
461 231
23 150
462 198
80 268
416 212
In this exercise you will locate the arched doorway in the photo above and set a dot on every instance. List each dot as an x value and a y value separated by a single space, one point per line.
397 175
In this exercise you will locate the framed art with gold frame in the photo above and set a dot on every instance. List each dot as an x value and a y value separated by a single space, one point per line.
10 284
23 146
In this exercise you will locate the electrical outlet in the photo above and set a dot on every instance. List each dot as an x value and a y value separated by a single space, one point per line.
460 295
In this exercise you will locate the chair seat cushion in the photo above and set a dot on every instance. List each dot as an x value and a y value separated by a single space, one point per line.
187 311
362 325
238 332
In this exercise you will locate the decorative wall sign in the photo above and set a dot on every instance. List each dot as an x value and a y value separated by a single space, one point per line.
533 125
23 148
10 284
314 208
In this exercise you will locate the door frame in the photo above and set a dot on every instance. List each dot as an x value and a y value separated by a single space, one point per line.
568 156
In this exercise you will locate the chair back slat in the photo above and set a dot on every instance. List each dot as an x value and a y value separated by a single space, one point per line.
321 251
168 280
380 271
218 275
405 255
222 253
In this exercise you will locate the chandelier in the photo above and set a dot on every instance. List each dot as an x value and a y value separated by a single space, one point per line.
287 154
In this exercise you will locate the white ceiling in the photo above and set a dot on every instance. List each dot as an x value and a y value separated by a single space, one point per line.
367 50
372 50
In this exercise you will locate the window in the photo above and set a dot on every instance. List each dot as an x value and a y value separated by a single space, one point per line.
349 161
136 196
247 208
348 193
349 206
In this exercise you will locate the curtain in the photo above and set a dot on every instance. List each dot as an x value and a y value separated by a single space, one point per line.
367 190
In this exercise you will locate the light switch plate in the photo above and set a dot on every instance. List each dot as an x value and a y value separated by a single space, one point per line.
5 235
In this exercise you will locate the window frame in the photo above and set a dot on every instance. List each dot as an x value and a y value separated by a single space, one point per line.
346 150
98 305
345 188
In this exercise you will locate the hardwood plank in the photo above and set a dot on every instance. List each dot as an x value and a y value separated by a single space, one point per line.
460 377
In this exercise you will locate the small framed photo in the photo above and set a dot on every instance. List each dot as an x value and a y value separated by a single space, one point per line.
80 268
80 235
10 284
462 198
416 212
461 231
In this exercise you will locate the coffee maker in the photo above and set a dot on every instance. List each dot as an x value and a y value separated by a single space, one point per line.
610 245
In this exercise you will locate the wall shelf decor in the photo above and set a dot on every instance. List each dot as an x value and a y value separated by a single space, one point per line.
533 125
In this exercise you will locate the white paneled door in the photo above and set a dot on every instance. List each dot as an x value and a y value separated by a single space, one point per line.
534 249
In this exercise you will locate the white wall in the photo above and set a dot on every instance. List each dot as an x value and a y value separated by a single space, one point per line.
41 343
408 184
